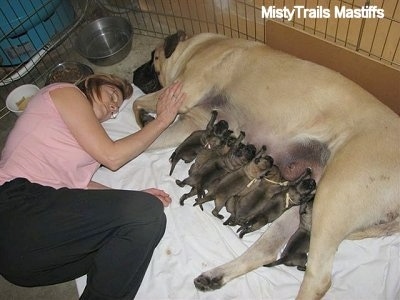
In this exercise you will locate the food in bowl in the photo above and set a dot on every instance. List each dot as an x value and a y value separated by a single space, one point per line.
69 71
18 99
23 103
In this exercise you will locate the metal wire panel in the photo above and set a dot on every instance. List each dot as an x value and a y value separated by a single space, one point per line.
18 32
378 38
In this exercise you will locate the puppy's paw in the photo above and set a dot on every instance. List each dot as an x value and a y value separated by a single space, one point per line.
180 183
244 229
205 283
216 214
230 221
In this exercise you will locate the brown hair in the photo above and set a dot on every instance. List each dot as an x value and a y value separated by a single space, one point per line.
90 85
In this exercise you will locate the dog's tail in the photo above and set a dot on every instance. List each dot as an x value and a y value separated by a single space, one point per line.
173 162
298 260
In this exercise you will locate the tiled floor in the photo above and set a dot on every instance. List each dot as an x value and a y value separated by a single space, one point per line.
139 54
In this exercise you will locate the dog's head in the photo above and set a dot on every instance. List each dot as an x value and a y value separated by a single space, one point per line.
245 152
149 76
303 191
221 128
261 163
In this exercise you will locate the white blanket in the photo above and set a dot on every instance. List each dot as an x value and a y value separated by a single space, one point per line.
196 241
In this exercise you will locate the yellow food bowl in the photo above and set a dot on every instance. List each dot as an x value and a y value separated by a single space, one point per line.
18 99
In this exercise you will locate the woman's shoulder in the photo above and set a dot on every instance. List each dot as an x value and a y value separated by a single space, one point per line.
59 85
71 103
63 88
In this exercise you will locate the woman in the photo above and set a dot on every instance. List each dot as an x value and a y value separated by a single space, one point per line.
55 223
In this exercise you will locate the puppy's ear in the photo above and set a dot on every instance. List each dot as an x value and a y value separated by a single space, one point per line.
172 41
262 150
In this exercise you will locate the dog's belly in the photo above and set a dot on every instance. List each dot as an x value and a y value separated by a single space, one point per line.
292 154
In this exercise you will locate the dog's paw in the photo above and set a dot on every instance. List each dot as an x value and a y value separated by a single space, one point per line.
244 229
205 283
216 214
144 117
230 221
180 183
184 197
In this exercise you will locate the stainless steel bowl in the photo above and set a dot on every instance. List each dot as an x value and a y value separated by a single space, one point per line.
105 41
69 71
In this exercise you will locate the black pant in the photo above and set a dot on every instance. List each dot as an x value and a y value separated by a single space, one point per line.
48 236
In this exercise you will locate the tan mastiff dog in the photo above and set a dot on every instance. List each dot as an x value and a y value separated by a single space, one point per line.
308 116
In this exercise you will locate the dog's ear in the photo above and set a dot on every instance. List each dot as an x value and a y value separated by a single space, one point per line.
172 41
262 150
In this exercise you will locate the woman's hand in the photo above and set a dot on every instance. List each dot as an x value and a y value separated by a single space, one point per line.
160 194
169 102
97 186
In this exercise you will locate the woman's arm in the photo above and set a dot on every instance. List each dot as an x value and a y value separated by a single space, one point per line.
93 185
80 118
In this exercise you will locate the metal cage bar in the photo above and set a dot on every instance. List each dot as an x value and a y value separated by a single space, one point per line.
373 37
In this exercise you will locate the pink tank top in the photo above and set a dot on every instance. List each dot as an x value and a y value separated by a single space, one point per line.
41 148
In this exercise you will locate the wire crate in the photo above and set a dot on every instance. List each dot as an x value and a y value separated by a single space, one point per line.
378 38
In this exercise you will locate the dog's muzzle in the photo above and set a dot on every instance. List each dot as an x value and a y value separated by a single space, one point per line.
145 78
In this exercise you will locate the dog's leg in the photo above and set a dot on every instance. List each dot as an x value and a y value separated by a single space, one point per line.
325 238
219 204
195 119
191 193
200 201
145 104
252 227
263 251
231 221
339 212
379 230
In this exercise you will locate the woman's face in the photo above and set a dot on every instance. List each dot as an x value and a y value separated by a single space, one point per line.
107 105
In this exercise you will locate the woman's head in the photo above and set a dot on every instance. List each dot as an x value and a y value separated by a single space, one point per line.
105 92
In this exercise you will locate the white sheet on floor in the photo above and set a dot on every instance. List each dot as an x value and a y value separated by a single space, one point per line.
196 241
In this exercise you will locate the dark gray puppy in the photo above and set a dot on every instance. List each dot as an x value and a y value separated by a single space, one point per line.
201 171
295 193
192 145
208 173
234 182
295 252
241 155
244 204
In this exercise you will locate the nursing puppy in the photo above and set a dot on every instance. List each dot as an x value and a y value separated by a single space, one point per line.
192 145
245 203
216 148
202 176
307 116
296 250
268 210
234 182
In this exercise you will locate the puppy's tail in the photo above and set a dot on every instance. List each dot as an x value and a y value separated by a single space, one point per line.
276 263
296 260
173 162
